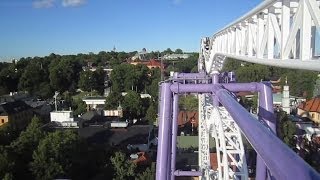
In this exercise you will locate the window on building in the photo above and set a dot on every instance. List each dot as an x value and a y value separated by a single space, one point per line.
312 115
2 121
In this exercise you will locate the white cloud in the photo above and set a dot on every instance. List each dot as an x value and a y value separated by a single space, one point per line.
72 3
43 3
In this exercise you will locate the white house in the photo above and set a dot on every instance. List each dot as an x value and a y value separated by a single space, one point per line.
94 102
63 118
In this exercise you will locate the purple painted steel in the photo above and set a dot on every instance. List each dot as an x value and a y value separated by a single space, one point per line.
279 158
162 170
266 115
215 80
187 173
207 88
191 75
174 134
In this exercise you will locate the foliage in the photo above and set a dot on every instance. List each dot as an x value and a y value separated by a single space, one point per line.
188 64
30 138
65 74
5 163
52 158
123 168
188 103
148 174
9 79
22 148
301 82
113 100
92 80
286 129
178 51
231 65
151 114
78 106
126 77
252 73
132 105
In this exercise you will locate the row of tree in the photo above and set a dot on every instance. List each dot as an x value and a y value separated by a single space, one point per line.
44 75
38 154
301 82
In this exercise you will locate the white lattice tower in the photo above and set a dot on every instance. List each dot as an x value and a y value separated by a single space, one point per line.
230 151
204 153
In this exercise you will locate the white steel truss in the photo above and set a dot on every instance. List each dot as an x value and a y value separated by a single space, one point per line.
217 123
277 32
204 151
230 151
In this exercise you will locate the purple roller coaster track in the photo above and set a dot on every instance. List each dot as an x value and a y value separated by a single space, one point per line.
275 160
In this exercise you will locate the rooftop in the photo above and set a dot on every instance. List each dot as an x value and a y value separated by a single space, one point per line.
13 107
312 105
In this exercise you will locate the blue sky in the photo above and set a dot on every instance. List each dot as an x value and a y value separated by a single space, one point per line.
40 27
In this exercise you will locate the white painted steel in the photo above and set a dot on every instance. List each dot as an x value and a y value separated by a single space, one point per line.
230 151
204 153
276 32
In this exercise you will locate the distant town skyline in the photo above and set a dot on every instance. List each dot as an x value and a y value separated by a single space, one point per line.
39 27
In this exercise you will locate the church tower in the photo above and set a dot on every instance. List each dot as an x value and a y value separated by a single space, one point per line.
286 98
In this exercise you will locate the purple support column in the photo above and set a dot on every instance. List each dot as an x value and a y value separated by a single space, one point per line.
163 134
188 173
168 166
174 134
266 115
215 80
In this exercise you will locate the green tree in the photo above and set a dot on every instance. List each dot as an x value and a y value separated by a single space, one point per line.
64 74
113 100
189 103
79 106
53 157
167 51
148 174
118 76
9 79
99 77
86 80
286 129
231 65
23 147
253 73
6 163
29 139
132 105
123 168
151 114
178 51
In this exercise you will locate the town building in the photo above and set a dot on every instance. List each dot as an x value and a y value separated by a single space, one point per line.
18 114
151 64
175 56
94 103
63 118
310 109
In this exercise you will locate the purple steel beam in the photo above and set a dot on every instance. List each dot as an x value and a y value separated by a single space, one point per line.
266 114
191 75
279 158
174 134
188 173
207 88
162 170
215 80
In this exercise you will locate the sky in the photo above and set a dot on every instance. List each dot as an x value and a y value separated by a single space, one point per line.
39 27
